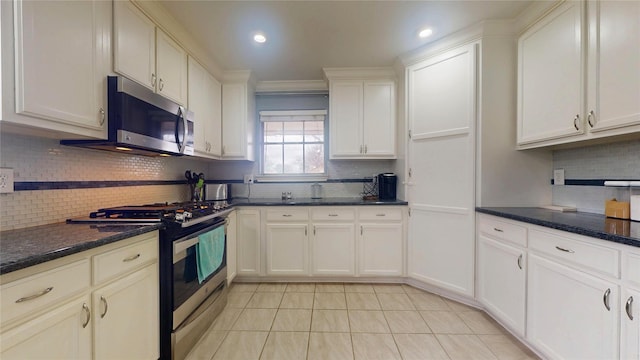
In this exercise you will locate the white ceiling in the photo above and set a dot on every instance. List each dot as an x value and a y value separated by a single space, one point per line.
305 36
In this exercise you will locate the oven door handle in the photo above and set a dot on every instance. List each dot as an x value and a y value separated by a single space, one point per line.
180 246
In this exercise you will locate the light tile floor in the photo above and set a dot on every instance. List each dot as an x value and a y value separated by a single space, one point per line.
351 321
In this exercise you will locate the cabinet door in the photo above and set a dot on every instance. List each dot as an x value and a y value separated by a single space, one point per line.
501 281
551 76
214 126
62 57
231 247
567 317
614 64
630 335
234 118
58 334
442 104
171 64
134 44
248 241
379 116
287 249
333 249
199 104
125 314
346 101
380 249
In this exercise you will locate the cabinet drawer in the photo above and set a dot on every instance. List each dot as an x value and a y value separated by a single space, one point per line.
377 213
504 231
287 214
333 214
589 256
26 296
120 261
632 268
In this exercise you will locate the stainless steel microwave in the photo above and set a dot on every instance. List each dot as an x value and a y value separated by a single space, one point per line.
142 122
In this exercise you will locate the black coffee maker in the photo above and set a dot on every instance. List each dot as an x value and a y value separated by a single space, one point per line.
387 183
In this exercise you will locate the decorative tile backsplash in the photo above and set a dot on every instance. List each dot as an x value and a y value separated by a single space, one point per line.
615 161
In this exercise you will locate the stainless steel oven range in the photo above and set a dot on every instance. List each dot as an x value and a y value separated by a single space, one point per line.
192 266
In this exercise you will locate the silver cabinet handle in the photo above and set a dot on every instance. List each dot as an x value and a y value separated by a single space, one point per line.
333 215
381 214
314 230
565 250
590 117
153 79
160 84
102 116
605 299
86 310
498 230
575 122
360 149
629 307
520 261
305 231
131 258
360 229
106 306
365 149
287 215
223 148
35 296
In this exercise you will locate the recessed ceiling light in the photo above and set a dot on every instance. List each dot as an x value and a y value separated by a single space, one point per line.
259 38
425 33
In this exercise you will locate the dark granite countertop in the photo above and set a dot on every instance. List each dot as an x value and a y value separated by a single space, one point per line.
26 247
595 225
337 201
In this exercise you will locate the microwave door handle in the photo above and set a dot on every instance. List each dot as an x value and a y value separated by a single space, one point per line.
181 145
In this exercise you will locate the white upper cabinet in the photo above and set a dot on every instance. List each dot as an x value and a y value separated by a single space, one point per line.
578 74
61 57
362 113
238 116
205 97
147 55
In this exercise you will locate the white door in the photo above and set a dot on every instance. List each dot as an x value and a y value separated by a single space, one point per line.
125 317
287 249
502 281
62 53
567 315
551 76
379 118
346 101
442 113
380 249
64 332
171 65
630 318
234 119
231 247
614 64
248 241
333 249
134 44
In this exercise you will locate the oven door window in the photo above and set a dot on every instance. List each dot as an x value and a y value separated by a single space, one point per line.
185 274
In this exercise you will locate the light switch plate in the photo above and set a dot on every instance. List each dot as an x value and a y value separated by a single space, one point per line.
6 180
558 177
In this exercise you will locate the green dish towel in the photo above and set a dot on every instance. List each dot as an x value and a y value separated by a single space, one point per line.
209 252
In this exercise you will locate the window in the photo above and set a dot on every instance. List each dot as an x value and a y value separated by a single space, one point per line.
293 142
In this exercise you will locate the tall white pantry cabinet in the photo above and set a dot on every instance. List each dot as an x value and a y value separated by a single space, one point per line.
462 151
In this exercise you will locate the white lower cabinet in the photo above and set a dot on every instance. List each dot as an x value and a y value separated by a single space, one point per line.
333 249
502 281
630 324
63 332
287 249
381 249
232 236
130 303
571 314
114 317
248 241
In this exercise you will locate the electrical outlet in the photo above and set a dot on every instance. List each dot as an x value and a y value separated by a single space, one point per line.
6 180
248 178
558 177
